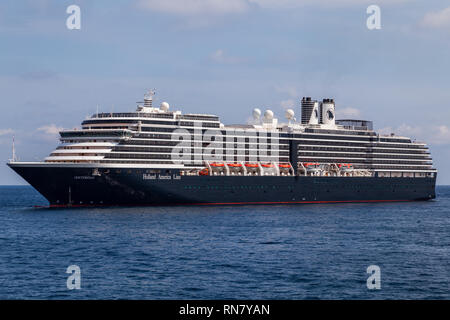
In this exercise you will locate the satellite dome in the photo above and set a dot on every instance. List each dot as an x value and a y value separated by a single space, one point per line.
164 106
256 113
268 115
289 114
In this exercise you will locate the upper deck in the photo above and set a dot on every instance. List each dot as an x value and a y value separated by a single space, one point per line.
162 137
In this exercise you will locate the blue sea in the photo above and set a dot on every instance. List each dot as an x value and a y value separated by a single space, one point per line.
229 252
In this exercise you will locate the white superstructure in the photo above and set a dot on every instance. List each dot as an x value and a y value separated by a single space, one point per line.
159 137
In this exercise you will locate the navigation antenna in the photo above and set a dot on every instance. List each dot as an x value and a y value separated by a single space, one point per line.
13 150
148 98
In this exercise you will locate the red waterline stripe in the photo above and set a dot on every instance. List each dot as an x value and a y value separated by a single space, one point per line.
216 203
307 202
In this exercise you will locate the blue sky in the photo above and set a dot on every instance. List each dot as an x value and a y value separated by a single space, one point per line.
224 57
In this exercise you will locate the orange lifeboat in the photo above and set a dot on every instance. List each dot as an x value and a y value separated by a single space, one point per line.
215 164
284 165
235 165
251 165
267 165
203 172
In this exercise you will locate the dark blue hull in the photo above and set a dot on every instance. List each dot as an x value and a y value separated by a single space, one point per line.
130 186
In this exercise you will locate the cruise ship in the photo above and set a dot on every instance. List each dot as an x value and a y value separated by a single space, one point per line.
160 156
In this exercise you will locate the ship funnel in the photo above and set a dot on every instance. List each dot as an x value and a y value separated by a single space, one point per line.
328 115
310 111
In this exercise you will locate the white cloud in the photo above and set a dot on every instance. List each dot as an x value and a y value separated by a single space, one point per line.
50 129
432 134
410 130
6 131
290 90
286 104
219 56
438 19
221 7
275 4
404 130
4 136
348 112
195 7
442 135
